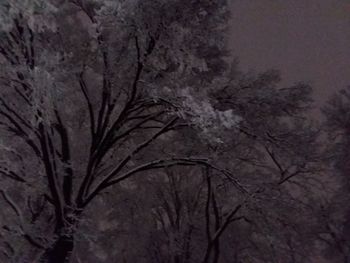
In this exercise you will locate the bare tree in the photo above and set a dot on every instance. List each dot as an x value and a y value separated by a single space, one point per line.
95 93
88 90
334 212
196 215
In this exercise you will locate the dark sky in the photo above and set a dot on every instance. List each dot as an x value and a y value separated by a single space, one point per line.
308 40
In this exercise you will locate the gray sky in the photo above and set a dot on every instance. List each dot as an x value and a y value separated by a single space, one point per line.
308 40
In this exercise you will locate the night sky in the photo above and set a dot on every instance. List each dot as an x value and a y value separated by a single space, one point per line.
307 40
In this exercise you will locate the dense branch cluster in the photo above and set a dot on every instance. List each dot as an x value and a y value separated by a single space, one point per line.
125 135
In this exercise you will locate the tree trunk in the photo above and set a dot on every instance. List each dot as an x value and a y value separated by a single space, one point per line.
60 251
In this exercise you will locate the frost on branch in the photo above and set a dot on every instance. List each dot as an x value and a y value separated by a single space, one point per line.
38 13
200 113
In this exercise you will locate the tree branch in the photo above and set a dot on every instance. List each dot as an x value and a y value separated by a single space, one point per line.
89 104
115 171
